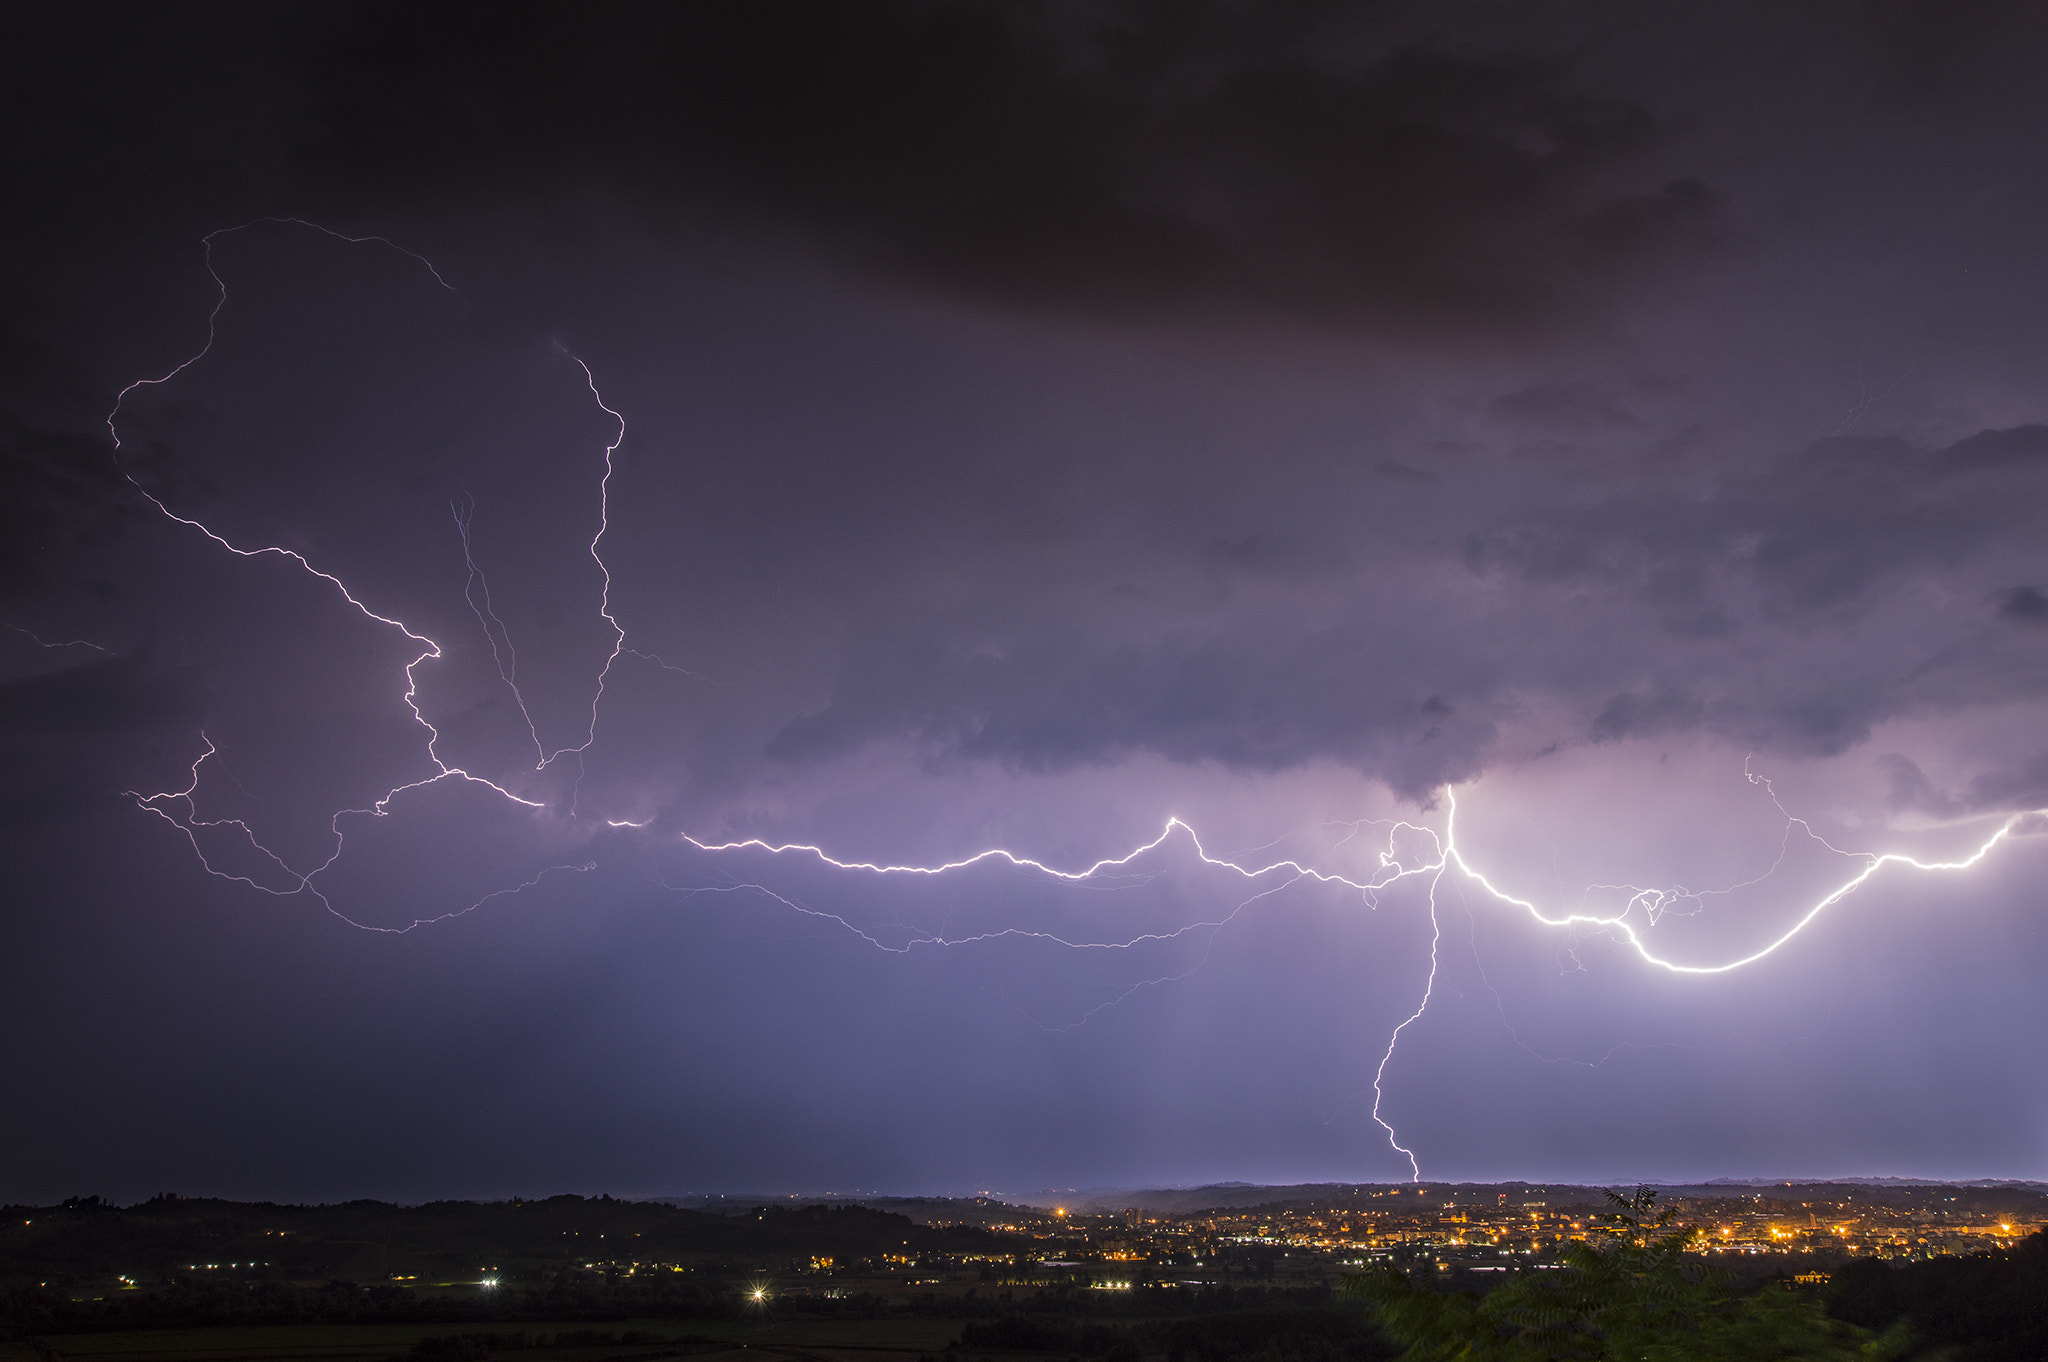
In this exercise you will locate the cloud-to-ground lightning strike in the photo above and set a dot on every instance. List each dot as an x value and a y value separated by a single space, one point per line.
1633 924
1447 855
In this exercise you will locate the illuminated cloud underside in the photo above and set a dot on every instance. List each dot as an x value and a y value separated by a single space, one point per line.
1634 925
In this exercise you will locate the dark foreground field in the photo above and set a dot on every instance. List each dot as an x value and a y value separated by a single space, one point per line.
634 1340
575 1280
1317 1333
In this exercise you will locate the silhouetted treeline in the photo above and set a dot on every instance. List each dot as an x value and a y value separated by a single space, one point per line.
164 1238
1991 1307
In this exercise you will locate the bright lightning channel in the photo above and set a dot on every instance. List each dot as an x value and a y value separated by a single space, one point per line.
163 803
178 807
1447 855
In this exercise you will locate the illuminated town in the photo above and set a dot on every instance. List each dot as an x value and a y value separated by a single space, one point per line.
1133 1276
1306 1236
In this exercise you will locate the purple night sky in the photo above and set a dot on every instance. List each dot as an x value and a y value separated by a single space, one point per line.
1626 427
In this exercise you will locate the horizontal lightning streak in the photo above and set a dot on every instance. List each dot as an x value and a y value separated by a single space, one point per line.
1448 855
1873 862
42 642
429 650
179 807
1022 862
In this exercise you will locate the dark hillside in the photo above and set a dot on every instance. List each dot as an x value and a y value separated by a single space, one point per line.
1992 1307
161 1239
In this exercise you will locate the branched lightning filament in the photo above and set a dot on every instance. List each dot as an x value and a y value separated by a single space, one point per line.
1633 924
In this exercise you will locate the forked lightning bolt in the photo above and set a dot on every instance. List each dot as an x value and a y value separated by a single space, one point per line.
163 802
1631 925
1446 855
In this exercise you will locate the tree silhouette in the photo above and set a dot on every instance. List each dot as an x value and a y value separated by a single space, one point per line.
1629 1292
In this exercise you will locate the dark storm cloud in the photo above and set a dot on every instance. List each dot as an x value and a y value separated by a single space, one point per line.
71 738
1648 714
103 696
1813 535
1761 609
1375 165
1576 277
1257 699
1818 541
1318 159
1569 407
2019 786
2024 605
61 495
